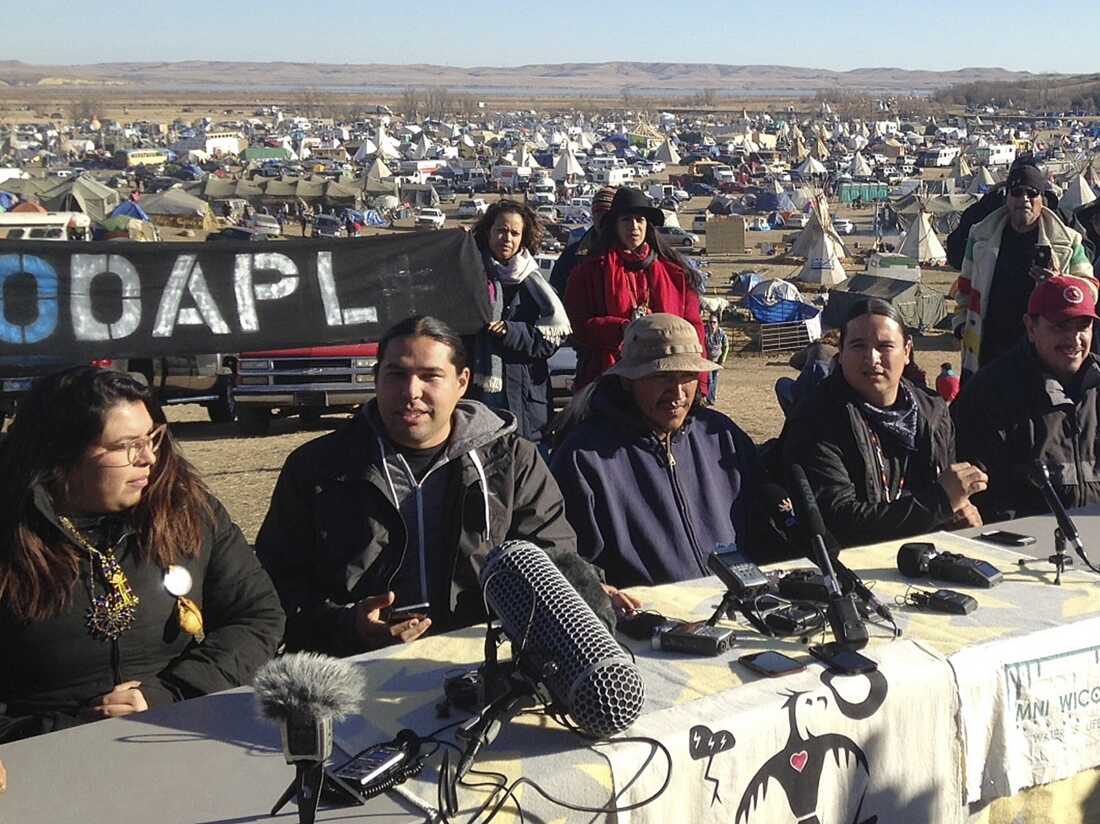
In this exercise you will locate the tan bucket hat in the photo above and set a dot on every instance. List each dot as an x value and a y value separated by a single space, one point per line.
661 343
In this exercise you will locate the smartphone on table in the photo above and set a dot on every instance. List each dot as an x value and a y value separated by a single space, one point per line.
842 660
771 664
1005 538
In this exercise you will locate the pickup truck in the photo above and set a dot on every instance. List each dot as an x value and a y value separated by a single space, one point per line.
306 381
429 219
202 379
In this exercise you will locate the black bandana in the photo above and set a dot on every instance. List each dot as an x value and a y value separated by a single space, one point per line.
899 422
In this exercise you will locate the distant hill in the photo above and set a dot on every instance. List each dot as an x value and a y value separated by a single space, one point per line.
568 79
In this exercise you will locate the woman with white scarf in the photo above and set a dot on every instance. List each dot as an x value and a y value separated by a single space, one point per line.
528 322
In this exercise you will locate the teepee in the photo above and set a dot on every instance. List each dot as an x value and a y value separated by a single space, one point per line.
822 248
860 167
1077 194
667 154
921 243
567 167
981 183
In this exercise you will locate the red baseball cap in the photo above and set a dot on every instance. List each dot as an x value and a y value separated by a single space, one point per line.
1062 297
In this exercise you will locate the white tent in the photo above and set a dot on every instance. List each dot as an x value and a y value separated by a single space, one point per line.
366 149
822 248
378 170
860 167
1077 194
921 243
567 167
982 182
810 166
667 153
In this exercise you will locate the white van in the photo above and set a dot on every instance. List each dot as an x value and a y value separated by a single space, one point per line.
45 226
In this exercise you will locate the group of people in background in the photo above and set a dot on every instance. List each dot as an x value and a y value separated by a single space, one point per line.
124 584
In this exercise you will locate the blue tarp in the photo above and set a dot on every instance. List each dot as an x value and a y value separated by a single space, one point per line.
374 219
784 311
129 208
7 200
774 202
742 284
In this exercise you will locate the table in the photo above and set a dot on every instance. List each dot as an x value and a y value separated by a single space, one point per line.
909 751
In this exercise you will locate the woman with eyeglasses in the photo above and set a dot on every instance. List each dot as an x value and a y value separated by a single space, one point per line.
1007 253
124 584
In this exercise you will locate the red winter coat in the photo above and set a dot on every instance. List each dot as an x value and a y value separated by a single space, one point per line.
601 295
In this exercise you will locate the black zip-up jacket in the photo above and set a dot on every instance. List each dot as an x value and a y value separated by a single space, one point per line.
52 668
1012 414
829 437
333 535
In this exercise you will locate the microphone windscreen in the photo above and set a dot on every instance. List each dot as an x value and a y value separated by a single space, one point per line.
558 640
913 559
307 684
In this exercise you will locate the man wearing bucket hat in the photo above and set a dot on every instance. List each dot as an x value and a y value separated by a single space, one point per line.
1037 402
631 274
652 480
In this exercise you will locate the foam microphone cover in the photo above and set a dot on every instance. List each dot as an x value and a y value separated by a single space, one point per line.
560 642
913 559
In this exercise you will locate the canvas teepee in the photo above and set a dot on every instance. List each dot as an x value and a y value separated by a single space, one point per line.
822 248
921 243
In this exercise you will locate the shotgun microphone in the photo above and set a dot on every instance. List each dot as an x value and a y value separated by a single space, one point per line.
843 614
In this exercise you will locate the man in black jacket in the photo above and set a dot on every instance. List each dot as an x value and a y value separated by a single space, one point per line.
399 508
1037 403
878 450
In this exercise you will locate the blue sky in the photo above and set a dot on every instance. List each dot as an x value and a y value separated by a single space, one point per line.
1058 36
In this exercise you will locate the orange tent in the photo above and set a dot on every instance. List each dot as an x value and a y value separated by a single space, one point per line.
27 206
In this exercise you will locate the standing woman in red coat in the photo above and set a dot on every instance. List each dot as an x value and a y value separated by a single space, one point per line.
631 274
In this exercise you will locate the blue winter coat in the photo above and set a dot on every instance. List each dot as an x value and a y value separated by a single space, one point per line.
649 510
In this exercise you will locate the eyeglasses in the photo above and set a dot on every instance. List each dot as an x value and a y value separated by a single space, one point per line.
134 448
1024 191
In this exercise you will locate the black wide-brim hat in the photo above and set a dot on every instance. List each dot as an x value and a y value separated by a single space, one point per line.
630 201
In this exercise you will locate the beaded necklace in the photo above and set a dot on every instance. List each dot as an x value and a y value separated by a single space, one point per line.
112 613
880 459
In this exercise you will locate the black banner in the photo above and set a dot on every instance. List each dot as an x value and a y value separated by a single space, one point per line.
127 299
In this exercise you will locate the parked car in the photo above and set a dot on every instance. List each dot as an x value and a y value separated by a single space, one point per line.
264 223
675 236
445 194
796 221
328 226
548 213
843 225
474 207
238 233
699 223
698 189
430 218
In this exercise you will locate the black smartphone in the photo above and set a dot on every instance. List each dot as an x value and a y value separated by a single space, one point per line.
1043 257
771 664
842 660
1000 536
396 615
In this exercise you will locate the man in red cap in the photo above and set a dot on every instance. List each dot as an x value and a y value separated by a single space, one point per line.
1037 403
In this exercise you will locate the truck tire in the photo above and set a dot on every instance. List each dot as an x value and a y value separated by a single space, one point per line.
253 421
224 409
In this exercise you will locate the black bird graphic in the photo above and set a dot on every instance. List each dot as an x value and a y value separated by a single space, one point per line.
798 766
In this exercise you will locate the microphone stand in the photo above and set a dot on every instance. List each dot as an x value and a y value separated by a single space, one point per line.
1059 559
311 780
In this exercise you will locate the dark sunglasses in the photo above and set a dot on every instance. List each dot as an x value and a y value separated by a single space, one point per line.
1021 191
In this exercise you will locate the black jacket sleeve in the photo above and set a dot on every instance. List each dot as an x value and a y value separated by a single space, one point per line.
854 521
980 439
241 613
286 546
538 509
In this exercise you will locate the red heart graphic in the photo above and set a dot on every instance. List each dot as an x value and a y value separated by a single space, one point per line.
799 759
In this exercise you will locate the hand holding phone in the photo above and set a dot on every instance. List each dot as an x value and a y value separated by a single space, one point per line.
374 629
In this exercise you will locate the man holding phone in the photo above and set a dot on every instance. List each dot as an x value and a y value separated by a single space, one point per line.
1037 403
1007 253
376 531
